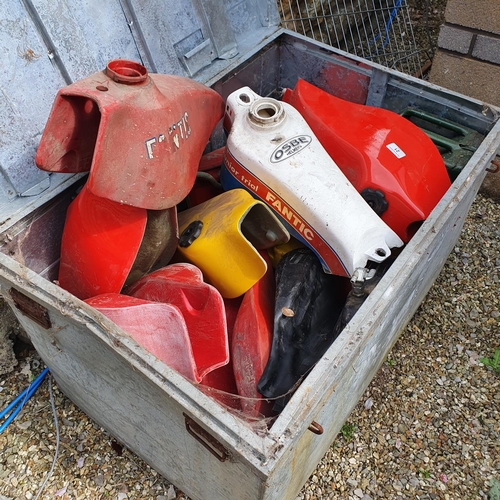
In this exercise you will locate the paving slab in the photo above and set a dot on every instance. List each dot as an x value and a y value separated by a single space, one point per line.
470 77
482 15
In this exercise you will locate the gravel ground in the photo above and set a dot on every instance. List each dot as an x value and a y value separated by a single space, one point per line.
428 426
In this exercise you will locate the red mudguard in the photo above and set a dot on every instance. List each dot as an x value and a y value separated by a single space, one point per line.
222 379
379 151
159 328
141 136
201 305
251 342
99 245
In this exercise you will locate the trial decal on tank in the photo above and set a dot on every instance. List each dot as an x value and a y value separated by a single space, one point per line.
271 198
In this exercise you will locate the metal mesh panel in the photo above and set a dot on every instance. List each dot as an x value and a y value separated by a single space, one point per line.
378 30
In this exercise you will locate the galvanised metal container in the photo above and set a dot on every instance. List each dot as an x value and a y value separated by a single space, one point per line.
184 434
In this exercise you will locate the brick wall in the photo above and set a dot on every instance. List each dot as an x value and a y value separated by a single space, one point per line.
468 59
468 55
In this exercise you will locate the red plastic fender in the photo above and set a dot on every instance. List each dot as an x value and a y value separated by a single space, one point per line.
251 342
99 245
379 150
222 379
201 306
159 328
141 135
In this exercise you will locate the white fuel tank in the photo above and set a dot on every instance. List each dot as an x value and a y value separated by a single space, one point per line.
272 152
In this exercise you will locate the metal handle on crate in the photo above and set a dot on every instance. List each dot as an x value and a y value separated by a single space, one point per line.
216 448
496 166
316 428
31 308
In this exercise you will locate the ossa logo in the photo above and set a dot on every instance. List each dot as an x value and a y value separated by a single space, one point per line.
290 147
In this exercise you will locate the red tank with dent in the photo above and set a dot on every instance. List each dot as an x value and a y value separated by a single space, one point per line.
140 135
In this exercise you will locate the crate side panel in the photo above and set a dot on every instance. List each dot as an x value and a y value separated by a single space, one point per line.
246 16
162 27
338 75
260 73
27 87
35 241
86 34
446 104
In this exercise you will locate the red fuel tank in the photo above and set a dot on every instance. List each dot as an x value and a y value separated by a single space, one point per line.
140 135
389 160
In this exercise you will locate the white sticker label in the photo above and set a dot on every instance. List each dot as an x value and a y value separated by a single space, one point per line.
396 150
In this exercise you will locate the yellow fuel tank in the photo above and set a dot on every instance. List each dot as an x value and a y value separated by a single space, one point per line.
223 237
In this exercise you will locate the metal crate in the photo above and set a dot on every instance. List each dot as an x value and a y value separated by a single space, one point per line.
186 435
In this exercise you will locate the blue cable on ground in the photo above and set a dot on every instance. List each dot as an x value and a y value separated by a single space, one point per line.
12 410
56 453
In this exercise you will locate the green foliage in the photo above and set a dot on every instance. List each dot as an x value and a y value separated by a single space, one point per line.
426 473
493 362
347 431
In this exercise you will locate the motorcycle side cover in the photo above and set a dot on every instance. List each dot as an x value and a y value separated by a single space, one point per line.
140 135
381 153
272 152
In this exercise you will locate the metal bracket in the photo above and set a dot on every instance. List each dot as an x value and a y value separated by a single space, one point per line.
316 428
216 448
195 52
359 278
495 166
